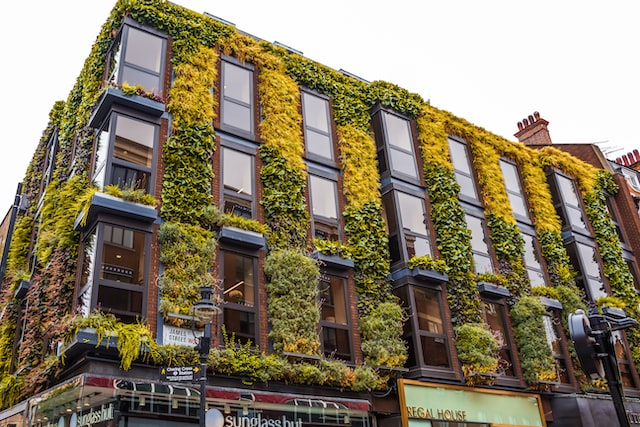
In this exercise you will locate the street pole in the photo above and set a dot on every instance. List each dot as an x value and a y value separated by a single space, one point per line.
205 344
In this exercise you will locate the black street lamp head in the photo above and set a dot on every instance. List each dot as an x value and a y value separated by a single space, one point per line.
206 309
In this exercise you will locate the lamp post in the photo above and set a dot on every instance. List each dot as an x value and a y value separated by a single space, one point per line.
592 337
206 311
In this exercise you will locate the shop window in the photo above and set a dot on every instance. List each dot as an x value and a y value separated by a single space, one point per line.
324 207
553 332
237 178
584 260
334 318
239 295
479 244
114 277
137 59
532 261
237 99
496 317
396 152
408 228
514 190
567 203
317 126
124 153
462 169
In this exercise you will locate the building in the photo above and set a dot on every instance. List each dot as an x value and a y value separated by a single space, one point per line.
376 261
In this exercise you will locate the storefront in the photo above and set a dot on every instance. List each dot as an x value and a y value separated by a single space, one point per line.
586 410
425 404
92 401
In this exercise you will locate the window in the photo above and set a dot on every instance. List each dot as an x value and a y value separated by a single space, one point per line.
317 126
425 332
632 178
396 154
239 295
137 58
324 207
114 274
613 212
514 190
583 259
124 156
479 244
237 178
408 229
623 358
532 261
237 98
462 169
567 203
334 319
553 332
495 315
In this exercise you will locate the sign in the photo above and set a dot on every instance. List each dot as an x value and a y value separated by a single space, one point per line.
179 336
180 373
428 401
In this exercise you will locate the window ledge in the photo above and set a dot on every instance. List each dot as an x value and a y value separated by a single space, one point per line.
550 303
102 203
487 288
335 261
242 237
113 95
420 273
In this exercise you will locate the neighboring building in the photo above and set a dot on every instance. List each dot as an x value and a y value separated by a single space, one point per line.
376 261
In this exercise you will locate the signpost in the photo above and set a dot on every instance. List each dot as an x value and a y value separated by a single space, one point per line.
181 373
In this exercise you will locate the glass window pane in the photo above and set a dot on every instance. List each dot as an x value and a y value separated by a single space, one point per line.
333 305
459 156
434 351
237 172
518 205
239 286
236 83
532 262
240 323
467 186
319 144
428 310
123 255
134 77
398 132
119 299
412 213
100 156
323 197
236 115
567 190
134 141
403 162
144 50
316 112
336 343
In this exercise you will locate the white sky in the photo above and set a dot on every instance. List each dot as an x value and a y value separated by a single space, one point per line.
492 62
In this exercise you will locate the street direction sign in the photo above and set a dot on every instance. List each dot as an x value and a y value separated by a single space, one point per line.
180 373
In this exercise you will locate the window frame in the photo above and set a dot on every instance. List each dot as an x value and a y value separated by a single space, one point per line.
385 147
95 282
471 213
566 210
225 145
116 57
320 220
515 190
251 310
323 323
395 227
468 173
583 279
250 106
316 157
111 161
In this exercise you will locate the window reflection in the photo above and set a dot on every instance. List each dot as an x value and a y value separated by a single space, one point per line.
237 177
432 336
479 245
462 169
237 97
317 128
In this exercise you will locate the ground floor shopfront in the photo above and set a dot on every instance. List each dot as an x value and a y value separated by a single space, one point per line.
95 401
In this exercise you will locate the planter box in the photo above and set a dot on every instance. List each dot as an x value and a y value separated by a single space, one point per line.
335 261
113 95
102 203
420 273
487 288
246 238
550 302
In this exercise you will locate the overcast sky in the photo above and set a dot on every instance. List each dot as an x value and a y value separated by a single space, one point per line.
490 62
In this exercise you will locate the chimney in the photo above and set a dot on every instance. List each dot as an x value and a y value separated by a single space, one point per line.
532 130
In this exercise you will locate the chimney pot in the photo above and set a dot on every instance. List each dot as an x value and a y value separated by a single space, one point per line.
531 119
520 126
536 115
525 122
637 154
